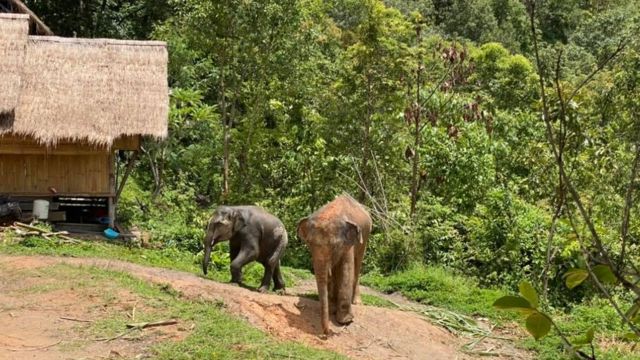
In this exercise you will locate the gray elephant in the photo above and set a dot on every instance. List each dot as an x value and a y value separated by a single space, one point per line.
254 235
337 236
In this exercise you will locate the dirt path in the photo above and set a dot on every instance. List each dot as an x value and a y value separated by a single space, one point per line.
377 333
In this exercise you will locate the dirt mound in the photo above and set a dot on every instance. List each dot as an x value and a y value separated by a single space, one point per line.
377 333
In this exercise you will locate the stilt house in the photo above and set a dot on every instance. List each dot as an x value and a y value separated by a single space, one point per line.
67 106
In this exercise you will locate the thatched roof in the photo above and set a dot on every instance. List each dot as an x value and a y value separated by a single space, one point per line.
13 42
93 90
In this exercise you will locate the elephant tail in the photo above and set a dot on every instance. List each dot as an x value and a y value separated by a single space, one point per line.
281 235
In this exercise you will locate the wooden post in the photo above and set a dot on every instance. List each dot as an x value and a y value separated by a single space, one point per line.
111 205
127 172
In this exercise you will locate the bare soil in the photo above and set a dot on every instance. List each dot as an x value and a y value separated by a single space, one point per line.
45 318
33 328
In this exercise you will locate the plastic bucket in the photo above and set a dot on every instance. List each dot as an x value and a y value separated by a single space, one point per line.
41 209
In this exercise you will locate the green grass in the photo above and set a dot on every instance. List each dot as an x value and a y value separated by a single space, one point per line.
169 258
215 334
438 287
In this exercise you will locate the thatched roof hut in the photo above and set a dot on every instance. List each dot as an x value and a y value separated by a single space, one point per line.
67 104
93 90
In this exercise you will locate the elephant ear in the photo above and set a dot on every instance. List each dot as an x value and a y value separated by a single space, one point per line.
352 232
303 229
238 221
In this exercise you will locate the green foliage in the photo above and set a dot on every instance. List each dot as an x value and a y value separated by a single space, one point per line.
101 18
575 277
320 98
538 325
528 292
438 287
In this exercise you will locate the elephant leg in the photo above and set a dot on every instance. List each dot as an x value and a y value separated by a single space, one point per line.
344 315
334 288
266 278
244 257
278 281
357 267
321 270
234 251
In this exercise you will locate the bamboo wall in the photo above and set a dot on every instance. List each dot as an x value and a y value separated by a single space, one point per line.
65 174
28 169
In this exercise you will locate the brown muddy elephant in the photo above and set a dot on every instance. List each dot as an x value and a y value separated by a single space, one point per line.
337 236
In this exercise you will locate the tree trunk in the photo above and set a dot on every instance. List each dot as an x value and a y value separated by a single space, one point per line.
415 185
226 135
366 146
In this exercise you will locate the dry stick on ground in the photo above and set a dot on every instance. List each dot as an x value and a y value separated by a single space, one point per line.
45 233
133 311
139 326
144 325
35 348
76 320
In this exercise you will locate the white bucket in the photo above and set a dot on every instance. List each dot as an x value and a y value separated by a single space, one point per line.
41 209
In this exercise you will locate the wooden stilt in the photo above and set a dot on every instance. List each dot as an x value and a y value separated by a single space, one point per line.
111 204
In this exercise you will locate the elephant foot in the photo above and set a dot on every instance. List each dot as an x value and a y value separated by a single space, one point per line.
345 320
281 291
357 300
263 289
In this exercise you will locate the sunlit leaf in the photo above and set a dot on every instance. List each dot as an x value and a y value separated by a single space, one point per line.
575 277
538 325
513 303
528 292
604 274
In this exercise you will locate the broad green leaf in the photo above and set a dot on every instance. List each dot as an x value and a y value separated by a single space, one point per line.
528 292
538 325
513 303
604 274
575 277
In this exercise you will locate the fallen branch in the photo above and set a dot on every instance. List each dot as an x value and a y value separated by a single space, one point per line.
145 325
138 326
128 331
29 348
44 233
76 320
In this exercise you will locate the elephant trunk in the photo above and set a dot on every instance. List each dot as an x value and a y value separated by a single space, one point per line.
208 245
322 279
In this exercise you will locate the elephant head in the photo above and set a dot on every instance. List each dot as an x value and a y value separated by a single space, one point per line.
222 225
